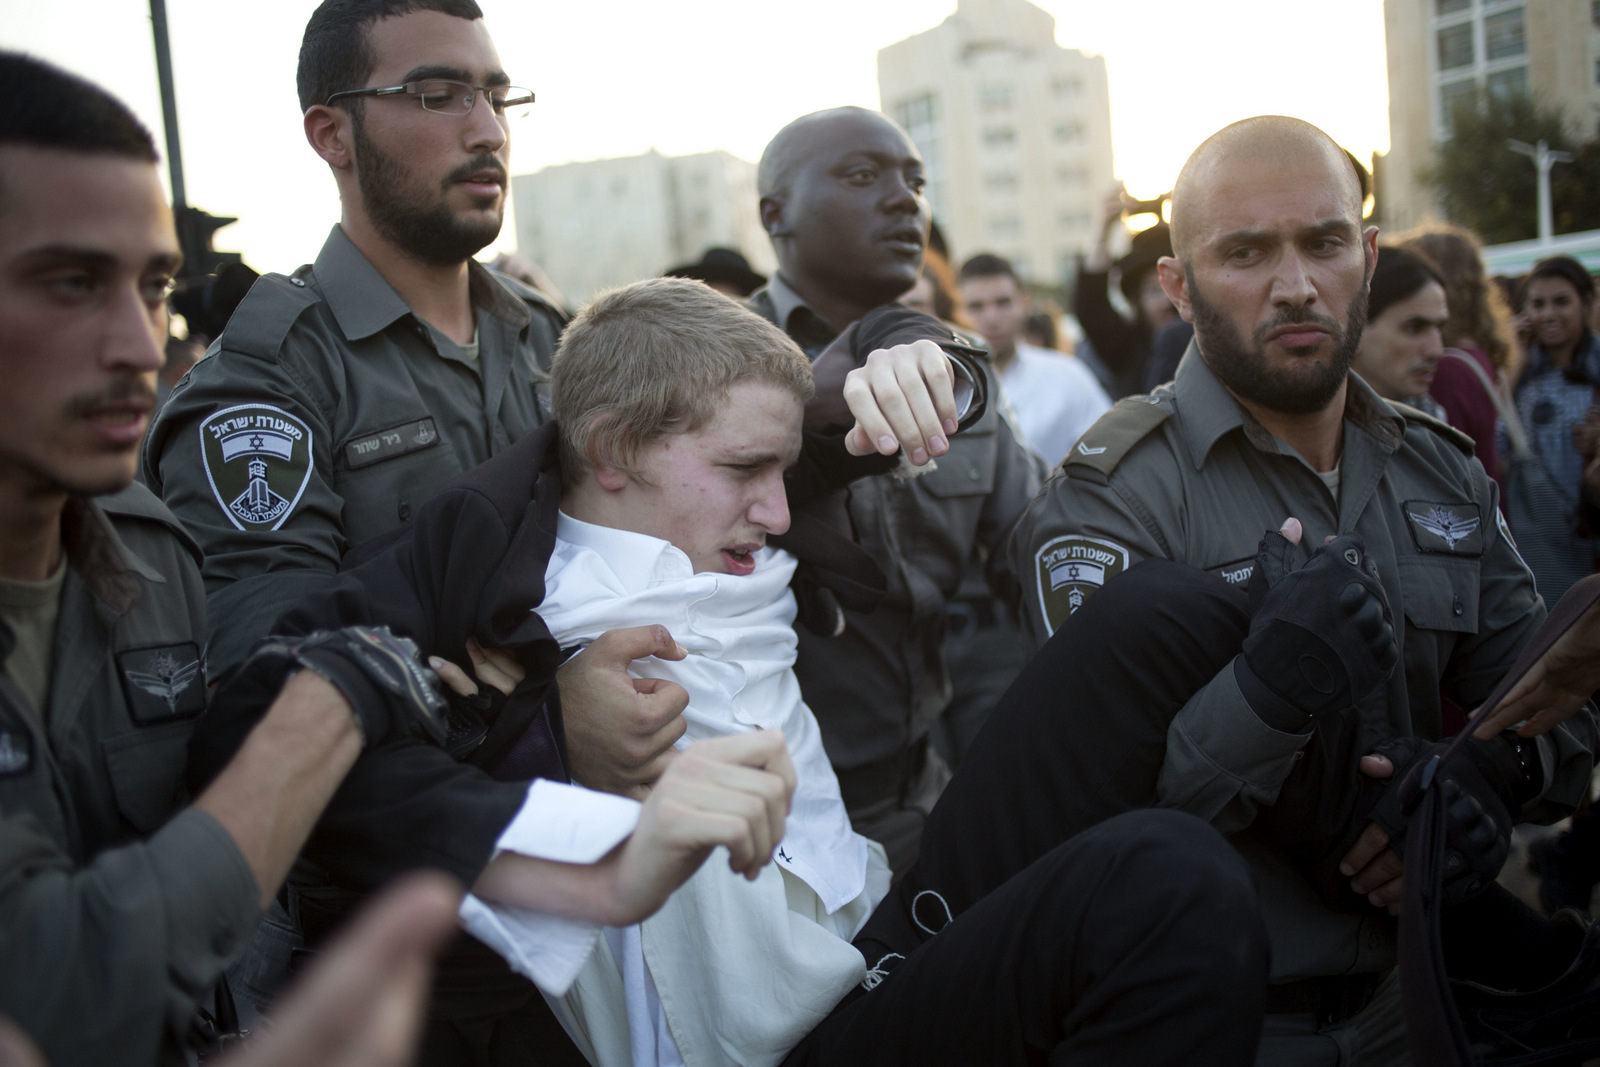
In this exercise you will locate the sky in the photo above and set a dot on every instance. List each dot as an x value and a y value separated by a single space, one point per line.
619 77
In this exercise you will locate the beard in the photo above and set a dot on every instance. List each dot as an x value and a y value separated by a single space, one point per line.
1244 368
428 232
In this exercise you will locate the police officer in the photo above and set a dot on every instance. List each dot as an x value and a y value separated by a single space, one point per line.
841 198
1262 422
119 904
342 397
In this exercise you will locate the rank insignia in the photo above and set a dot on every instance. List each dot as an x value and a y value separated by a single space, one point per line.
1071 568
163 682
258 461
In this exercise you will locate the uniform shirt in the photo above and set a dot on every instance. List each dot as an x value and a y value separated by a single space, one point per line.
324 416
29 610
1055 398
119 908
877 686
1188 475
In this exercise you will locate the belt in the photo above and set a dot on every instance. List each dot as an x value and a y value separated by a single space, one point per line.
963 617
1332 1000
885 779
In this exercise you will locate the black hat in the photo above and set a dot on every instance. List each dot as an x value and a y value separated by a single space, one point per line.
1147 247
721 265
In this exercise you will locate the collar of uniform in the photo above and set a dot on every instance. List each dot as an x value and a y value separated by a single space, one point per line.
795 317
363 303
1209 411
94 550
638 560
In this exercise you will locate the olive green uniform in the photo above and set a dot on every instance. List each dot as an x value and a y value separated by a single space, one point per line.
119 907
878 685
1188 475
324 416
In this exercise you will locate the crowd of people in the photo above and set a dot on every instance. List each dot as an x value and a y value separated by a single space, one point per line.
807 669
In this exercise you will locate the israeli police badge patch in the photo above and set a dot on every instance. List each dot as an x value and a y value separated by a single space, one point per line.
1069 569
258 461
163 682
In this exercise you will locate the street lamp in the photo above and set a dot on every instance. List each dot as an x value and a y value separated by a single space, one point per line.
1544 159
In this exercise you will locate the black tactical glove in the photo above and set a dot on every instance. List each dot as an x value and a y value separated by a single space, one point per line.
1482 785
391 693
1321 638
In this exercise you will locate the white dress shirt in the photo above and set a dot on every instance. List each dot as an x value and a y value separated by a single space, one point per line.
1054 398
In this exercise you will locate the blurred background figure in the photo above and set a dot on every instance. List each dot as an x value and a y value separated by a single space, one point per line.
1042 328
530 274
725 270
1404 337
936 293
182 354
1478 332
1546 499
1122 347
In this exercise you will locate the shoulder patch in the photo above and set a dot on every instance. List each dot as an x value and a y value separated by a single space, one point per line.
266 314
258 463
1113 436
1068 569
1461 440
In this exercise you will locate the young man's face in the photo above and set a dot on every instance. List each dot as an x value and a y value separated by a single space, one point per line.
1401 348
1276 278
87 254
997 308
434 185
717 492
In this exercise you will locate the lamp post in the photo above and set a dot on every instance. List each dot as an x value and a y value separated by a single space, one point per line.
1544 159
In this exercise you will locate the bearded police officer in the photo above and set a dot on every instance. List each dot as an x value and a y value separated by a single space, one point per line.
841 197
1343 647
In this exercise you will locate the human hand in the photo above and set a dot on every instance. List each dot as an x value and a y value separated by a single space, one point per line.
732 792
903 397
494 666
1559 684
1375 870
364 1001
620 729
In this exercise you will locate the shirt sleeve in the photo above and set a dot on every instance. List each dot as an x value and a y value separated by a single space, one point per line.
106 962
568 824
241 453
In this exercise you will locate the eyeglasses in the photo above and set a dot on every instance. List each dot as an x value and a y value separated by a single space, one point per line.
451 97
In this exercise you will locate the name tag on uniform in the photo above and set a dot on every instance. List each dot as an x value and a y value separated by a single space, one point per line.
395 441
163 682
1450 529
1236 573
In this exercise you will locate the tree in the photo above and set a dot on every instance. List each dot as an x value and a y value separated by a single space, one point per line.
1488 188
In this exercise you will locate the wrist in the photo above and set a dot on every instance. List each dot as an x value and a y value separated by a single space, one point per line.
1270 706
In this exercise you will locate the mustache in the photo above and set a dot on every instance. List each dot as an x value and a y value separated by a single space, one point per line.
119 392
477 165
1298 316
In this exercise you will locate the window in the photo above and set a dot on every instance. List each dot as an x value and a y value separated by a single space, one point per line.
1503 35
1508 84
1000 183
1067 132
1597 72
1455 46
1065 87
1450 7
1073 177
1074 220
1461 94
1594 12
995 97
999 137
1002 227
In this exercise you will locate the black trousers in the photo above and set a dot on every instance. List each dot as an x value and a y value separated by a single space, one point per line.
1047 919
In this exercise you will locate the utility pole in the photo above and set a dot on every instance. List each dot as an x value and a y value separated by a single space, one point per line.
1542 158
169 103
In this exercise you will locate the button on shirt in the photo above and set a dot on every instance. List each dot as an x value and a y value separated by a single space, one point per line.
324 416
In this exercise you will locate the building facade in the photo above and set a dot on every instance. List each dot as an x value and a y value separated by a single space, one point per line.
1444 51
1015 131
609 222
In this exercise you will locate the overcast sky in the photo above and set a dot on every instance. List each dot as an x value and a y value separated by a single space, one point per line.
618 77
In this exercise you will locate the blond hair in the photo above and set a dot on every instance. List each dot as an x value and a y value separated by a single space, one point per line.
654 358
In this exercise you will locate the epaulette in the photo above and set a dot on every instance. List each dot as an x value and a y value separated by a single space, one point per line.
139 503
529 295
266 314
1438 426
1113 436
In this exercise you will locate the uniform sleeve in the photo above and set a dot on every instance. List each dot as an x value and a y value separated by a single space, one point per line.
241 453
106 963
1016 480
1083 529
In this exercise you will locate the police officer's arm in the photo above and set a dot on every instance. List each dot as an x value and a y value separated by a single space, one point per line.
268 540
127 944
